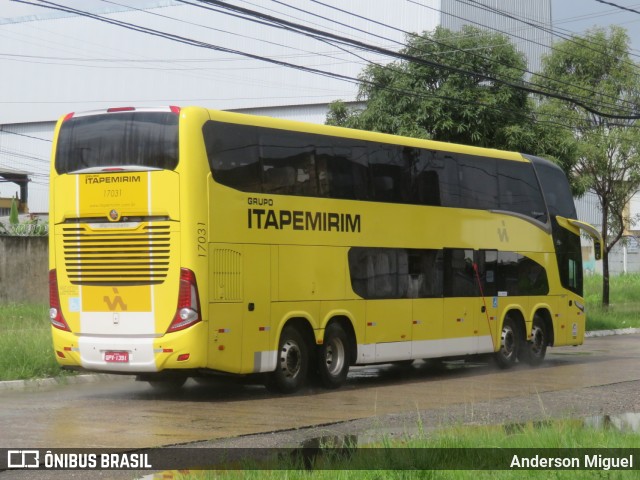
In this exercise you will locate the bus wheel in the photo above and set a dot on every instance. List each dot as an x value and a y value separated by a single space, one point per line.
536 347
333 357
508 353
292 362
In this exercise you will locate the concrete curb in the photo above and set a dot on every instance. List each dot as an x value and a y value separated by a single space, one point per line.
607 333
100 377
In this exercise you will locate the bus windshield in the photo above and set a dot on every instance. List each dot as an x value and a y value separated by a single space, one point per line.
137 139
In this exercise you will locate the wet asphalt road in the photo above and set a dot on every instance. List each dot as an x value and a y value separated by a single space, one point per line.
128 414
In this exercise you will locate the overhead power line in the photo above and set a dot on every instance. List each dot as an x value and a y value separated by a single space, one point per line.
619 6
402 56
587 91
261 18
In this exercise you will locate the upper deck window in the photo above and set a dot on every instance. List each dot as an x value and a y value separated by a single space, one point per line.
555 187
138 139
265 160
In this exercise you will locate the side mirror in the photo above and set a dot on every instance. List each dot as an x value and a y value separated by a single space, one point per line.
597 246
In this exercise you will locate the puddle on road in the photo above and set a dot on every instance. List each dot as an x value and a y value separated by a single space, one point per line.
344 446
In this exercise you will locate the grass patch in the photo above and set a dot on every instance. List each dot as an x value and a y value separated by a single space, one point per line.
399 459
25 343
624 302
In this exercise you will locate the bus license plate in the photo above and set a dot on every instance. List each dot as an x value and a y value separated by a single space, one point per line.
116 357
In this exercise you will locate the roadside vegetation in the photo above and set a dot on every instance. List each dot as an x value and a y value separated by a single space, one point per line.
27 353
624 307
25 343
397 459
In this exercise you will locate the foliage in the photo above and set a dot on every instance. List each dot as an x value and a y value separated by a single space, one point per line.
596 71
13 216
25 343
27 228
422 99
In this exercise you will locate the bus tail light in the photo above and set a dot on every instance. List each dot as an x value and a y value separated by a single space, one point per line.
55 312
120 109
188 309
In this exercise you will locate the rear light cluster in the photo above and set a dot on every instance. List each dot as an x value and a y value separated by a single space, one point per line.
55 312
69 116
188 309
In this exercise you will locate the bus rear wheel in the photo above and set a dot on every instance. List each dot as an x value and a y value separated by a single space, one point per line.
292 362
333 357
507 355
536 348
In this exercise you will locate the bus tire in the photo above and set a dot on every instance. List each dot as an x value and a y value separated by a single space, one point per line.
333 357
536 348
292 362
507 355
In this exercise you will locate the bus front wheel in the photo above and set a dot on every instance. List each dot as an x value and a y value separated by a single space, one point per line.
507 355
333 357
292 362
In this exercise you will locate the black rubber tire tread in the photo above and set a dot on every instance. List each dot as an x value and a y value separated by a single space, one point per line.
333 357
292 363
510 342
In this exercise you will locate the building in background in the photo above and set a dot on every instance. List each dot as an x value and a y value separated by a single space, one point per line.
257 60
20 179
55 62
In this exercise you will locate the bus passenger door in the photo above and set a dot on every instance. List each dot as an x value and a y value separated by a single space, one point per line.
425 288
487 313
462 302
389 312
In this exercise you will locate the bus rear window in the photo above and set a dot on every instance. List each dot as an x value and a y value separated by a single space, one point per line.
139 139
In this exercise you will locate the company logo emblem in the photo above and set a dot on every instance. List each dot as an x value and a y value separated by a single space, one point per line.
114 215
23 459
115 303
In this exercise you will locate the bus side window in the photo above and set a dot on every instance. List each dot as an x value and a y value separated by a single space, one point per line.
342 169
449 181
460 278
387 169
426 178
288 163
379 273
487 262
425 273
233 155
478 182
361 272
519 190
519 275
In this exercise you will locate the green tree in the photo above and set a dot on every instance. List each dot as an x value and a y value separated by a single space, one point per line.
423 99
596 70
13 214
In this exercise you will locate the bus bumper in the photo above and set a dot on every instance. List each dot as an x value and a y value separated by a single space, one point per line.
185 349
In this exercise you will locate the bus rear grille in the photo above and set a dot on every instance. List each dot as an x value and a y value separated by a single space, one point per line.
117 258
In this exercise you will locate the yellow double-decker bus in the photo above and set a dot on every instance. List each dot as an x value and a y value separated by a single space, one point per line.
186 242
